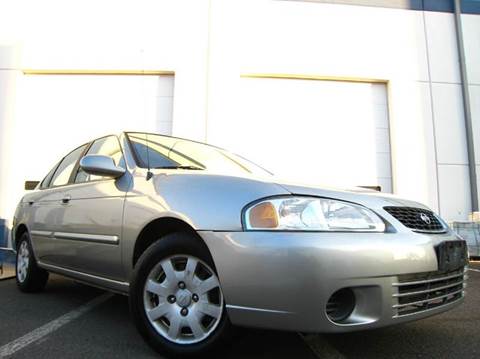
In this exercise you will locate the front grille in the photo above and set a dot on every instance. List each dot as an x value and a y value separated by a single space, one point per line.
420 292
418 219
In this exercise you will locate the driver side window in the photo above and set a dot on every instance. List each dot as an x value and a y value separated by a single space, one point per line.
107 146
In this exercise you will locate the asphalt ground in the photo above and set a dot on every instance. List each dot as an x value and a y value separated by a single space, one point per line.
71 320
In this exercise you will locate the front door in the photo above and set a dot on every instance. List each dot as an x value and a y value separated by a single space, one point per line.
93 216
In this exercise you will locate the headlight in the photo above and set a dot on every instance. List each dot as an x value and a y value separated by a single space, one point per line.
311 214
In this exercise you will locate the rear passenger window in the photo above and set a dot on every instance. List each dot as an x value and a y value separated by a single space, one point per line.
65 168
106 146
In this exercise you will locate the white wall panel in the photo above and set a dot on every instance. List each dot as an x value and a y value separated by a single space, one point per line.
442 47
307 38
381 115
478 180
330 39
210 44
471 38
56 113
475 108
8 86
454 191
311 131
449 124
170 35
414 163
382 139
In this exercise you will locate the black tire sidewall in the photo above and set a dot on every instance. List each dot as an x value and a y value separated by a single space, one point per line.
177 243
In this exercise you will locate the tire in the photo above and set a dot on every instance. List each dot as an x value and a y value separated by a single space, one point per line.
166 328
29 276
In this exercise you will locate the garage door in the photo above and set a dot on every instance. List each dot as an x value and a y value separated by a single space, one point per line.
55 113
323 132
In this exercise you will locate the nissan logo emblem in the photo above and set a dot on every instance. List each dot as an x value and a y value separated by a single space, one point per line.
425 218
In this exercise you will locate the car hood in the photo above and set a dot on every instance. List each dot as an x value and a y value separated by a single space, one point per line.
366 197
279 186
197 196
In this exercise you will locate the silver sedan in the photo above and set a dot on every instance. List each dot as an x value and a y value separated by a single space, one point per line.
200 239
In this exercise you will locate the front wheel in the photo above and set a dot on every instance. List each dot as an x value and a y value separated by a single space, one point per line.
30 277
175 297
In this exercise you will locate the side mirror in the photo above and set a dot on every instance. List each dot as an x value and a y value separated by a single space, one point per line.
31 185
100 165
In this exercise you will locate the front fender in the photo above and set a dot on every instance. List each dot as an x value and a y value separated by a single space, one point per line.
203 201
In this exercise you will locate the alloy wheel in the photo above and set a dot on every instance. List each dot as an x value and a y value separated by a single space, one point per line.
182 299
23 259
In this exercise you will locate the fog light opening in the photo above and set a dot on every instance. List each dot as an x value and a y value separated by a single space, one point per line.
340 305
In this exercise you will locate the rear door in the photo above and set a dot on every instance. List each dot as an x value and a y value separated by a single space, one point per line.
46 211
92 218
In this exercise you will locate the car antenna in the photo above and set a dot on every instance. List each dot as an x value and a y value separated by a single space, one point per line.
149 173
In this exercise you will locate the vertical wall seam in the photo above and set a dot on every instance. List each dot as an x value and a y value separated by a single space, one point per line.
393 154
466 108
433 112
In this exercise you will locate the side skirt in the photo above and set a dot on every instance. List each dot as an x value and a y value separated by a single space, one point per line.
89 279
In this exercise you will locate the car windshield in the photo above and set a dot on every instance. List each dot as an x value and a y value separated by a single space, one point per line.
170 152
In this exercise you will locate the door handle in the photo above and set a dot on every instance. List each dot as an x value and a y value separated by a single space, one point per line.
66 199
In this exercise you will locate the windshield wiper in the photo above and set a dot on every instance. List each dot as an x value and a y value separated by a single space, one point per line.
181 167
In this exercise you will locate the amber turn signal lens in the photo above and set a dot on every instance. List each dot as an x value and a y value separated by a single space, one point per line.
263 215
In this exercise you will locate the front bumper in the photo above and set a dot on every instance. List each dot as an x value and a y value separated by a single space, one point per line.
282 280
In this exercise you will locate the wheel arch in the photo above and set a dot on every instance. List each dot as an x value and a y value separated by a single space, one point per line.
17 234
158 228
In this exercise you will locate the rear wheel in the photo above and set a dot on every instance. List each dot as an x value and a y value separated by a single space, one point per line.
30 277
176 299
